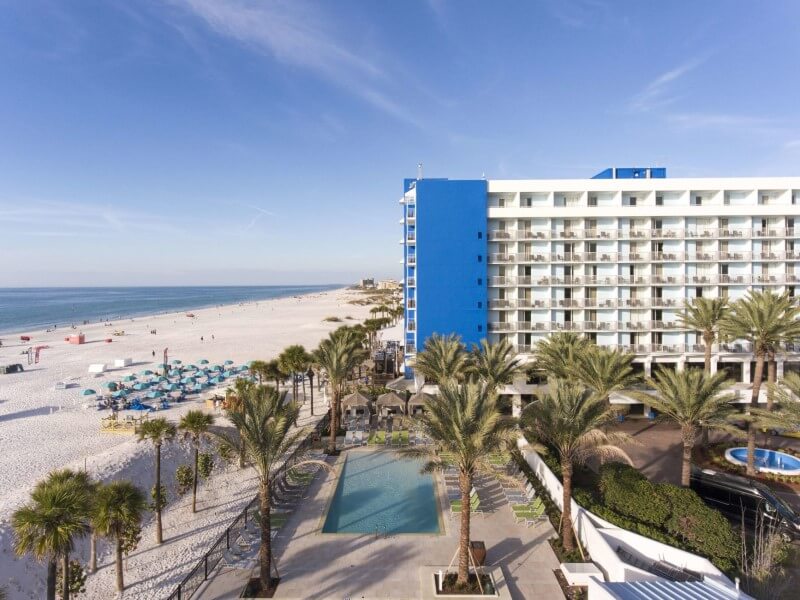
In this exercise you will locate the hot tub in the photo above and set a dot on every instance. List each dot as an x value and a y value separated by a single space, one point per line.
767 461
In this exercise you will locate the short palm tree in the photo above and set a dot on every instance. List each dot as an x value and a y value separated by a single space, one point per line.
557 354
119 508
443 359
195 425
704 315
494 364
570 421
293 361
787 414
49 524
767 321
158 432
233 399
691 398
272 372
339 355
604 371
465 423
259 369
264 423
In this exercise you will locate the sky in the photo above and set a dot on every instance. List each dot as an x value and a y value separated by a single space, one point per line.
203 142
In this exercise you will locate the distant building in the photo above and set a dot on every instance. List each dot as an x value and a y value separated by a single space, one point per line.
389 284
367 283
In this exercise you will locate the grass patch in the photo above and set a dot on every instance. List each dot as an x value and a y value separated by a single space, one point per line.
332 320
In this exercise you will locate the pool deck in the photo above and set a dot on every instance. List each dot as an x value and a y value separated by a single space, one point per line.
337 566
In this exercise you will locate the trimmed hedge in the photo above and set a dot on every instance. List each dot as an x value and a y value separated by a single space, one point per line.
664 512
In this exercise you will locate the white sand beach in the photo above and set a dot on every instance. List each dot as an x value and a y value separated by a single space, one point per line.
42 428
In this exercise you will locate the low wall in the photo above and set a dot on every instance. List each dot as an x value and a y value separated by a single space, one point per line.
602 538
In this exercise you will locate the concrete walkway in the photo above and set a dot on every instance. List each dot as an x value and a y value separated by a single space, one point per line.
336 566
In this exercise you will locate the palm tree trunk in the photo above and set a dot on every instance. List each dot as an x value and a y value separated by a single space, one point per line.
334 423
92 551
708 340
311 389
772 373
65 576
751 426
194 480
241 451
265 552
51 579
159 531
120 580
463 541
566 511
688 436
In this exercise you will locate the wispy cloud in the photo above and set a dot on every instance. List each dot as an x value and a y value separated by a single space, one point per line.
747 124
659 92
298 35
260 213
65 219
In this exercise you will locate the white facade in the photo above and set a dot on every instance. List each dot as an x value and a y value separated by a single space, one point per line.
615 259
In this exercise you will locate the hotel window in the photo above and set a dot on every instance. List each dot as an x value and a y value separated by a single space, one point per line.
659 200
501 202
480 235
697 201
592 200
527 202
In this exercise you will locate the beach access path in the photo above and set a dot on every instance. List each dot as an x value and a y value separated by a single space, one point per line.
42 428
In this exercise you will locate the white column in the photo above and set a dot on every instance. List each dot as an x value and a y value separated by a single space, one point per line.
746 372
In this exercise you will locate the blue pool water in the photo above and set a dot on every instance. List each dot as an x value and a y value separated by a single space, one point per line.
768 459
380 491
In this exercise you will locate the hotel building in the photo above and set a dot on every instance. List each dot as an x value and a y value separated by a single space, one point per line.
613 257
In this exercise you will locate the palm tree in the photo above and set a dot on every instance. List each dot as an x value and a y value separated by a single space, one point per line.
557 354
84 481
158 432
570 420
495 364
47 526
120 505
273 372
704 315
787 414
195 425
264 423
233 399
691 398
339 355
443 359
292 360
465 422
260 368
604 371
767 321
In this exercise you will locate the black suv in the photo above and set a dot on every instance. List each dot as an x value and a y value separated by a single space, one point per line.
740 498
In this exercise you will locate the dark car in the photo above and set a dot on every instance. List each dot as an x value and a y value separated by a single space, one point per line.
17 368
743 500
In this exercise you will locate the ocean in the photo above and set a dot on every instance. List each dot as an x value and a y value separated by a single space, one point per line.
30 309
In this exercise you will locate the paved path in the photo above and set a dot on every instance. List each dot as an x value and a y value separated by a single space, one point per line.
320 566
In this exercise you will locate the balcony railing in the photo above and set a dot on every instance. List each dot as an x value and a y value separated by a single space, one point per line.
411 259
641 234
411 303
411 282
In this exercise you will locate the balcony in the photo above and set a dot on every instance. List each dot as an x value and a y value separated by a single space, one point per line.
411 259
411 303
411 237
411 216
412 326
496 281
641 234
504 326
501 303
410 348
411 282
501 258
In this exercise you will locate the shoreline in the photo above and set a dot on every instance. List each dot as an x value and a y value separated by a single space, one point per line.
132 317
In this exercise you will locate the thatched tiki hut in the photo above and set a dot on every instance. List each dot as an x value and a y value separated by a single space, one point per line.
390 403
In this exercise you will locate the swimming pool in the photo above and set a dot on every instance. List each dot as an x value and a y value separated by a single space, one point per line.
766 461
379 491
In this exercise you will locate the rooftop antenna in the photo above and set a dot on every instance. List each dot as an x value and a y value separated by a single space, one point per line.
419 170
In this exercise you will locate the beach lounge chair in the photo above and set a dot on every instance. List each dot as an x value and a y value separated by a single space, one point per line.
531 513
474 506
358 438
348 438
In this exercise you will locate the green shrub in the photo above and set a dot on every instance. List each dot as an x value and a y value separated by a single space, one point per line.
164 498
205 464
701 528
184 478
77 579
627 492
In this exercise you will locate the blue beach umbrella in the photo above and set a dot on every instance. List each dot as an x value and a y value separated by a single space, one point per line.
243 367
202 361
198 387
228 362
139 406
146 372
141 385
173 387
216 368
228 374
129 378
177 362
217 380
187 380
190 368
155 394
119 394
175 373
88 392
110 385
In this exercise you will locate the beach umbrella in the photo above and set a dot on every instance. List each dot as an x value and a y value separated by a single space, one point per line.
243 367
110 385
88 392
155 394
141 385
146 372
139 406
216 368
119 394
190 368
217 380
228 374
203 361
175 373
228 362
187 380
173 387
198 387
129 378
161 378
177 362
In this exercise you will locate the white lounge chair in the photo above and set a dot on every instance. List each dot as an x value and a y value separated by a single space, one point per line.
358 438
348 438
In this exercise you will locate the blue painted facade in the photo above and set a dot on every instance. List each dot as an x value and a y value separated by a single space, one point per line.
449 244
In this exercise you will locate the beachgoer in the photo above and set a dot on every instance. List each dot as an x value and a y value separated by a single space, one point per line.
212 336
201 338
154 353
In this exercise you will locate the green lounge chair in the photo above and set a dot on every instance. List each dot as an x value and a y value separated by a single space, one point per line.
474 505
